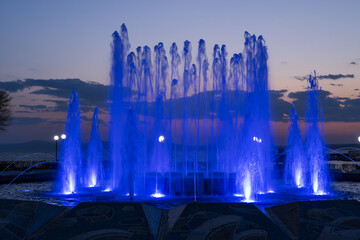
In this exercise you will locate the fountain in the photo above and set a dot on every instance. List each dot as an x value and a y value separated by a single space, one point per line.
255 166
191 136
314 144
295 168
94 161
70 178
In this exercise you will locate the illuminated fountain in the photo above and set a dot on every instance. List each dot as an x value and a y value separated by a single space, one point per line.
295 163
199 134
70 177
314 144
94 161
254 160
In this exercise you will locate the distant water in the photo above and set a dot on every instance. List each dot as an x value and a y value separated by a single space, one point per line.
26 156
40 192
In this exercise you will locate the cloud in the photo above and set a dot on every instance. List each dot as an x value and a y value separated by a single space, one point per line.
353 63
336 85
40 108
335 109
91 94
27 120
328 76
60 105
96 94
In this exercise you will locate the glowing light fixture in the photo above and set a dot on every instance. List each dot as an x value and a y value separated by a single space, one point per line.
68 193
161 138
157 195
320 193
63 136
256 139
56 137
238 195
359 138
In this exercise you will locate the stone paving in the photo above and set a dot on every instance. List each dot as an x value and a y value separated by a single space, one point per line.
331 219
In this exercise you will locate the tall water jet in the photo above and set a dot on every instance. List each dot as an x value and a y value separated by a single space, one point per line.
237 81
314 144
295 165
120 47
130 156
202 98
160 160
187 83
216 79
94 160
254 172
71 159
174 93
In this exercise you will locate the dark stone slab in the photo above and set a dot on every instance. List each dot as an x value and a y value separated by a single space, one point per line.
22 219
101 221
332 219
222 221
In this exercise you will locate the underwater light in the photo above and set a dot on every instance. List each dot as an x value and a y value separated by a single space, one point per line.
248 201
157 195
161 138
270 191
128 194
68 193
256 139
106 190
320 193
238 195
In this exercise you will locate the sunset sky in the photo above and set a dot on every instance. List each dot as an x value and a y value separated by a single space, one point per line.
43 40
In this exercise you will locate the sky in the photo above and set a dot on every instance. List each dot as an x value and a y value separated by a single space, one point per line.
71 40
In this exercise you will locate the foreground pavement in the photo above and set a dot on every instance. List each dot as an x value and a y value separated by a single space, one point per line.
331 219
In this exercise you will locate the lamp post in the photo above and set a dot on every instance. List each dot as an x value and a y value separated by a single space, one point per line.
56 138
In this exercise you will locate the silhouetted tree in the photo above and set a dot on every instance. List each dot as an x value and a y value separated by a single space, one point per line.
5 110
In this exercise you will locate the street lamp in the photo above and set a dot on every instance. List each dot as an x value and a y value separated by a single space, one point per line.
161 138
56 138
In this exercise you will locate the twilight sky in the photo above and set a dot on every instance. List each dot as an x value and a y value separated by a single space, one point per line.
71 39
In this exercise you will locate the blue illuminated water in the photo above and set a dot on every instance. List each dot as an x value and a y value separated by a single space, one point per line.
314 143
70 167
94 173
296 172
201 134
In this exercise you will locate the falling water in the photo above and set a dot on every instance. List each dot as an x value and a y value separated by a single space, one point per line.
254 173
202 132
314 144
94 160
120 47
295 165
71 159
